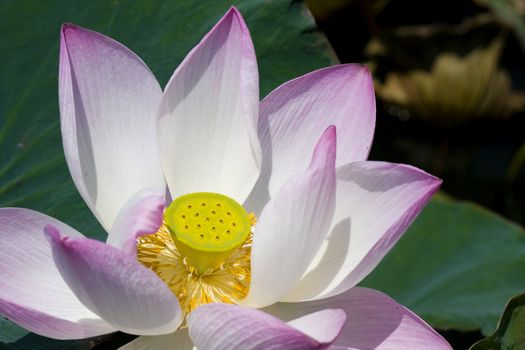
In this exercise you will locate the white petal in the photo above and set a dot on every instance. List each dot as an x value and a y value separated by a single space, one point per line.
225 327
293 226
376 202
141 215
108 105
32 291
115 286
294 115
208 115
373 321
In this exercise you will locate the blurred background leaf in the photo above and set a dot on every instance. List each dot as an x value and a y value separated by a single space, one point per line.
511 328
511 13
456 89
10 332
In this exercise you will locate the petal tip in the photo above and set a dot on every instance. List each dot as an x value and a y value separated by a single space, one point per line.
234 14
330 132
366 76
359 71
233 10
68 26
55 237
364 68
437 182
52 233
69 29
353 68
434 181
326 146
58 241
72 33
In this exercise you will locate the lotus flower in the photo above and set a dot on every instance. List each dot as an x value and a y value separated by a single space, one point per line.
312 224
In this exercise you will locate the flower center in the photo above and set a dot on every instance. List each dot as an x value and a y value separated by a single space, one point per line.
202 250
207 228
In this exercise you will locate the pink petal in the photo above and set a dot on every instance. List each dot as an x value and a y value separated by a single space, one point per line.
108 103
294 115
225 327
208 115
141 215
376 202
293 226
115 286
32 291
374 321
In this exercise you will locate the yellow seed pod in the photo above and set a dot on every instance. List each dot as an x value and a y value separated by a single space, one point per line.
207 227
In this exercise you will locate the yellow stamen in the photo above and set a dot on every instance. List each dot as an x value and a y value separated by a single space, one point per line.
222 278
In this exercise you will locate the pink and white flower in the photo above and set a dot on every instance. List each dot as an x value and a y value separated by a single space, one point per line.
325 220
